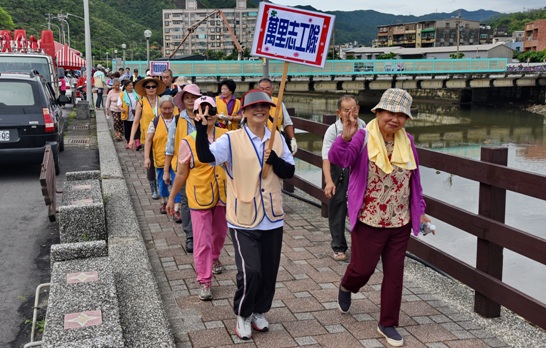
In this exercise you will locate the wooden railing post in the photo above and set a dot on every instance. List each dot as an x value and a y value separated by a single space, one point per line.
489 256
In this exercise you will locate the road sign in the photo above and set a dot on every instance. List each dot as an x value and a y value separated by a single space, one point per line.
292 35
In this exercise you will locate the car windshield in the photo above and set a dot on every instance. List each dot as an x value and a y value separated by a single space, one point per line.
16 96
15 64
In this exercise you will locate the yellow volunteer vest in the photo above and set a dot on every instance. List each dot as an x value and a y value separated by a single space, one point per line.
124 106
160 142
221 106
272 115
206 184
146 117
250 198
181 133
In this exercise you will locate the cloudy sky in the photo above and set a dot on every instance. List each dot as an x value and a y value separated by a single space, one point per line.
417 7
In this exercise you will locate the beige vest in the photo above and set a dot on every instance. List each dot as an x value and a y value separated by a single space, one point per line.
250 198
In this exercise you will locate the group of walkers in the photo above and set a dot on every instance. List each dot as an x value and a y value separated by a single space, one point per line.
205 159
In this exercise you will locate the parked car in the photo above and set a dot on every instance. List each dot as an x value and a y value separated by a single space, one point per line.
30 119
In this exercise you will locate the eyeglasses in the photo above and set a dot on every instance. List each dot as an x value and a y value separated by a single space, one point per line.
151 87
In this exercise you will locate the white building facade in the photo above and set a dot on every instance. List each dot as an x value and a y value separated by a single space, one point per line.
210 34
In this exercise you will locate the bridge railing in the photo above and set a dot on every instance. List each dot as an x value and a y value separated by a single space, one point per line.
488 225
254 68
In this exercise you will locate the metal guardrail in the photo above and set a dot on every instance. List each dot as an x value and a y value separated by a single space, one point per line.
254 68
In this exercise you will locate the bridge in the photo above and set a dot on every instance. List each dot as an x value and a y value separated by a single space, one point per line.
467 80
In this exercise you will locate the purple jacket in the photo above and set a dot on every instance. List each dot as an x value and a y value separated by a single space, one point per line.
354 154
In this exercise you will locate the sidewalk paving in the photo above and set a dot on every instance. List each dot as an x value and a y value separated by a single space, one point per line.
304 310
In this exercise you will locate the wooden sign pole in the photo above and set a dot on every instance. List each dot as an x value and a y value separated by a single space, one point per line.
278 110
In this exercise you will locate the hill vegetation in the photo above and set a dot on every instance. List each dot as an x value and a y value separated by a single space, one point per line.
115 22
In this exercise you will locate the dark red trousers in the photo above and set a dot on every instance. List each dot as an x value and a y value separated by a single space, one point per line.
368 244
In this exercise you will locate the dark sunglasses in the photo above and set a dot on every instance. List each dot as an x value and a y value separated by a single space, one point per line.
150 86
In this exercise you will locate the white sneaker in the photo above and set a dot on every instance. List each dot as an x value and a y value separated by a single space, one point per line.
259 322
205 294
243 328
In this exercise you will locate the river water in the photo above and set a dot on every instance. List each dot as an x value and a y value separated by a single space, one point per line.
445 127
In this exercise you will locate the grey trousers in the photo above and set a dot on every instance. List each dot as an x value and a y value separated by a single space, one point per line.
186 216
337 208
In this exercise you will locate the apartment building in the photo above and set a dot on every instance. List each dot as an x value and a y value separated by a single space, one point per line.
535 36
437 33
211 33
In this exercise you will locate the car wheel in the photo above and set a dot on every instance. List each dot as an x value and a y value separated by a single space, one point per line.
57 160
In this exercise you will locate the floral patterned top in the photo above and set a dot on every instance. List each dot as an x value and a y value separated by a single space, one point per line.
386 203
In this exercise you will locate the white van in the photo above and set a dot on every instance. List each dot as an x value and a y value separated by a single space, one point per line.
27 62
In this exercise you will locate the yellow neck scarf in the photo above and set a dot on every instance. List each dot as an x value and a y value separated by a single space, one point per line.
402 154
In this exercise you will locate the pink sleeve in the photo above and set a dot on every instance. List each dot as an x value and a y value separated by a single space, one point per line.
184 153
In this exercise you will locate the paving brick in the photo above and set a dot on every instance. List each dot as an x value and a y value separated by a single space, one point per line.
304 310
210 338
306 328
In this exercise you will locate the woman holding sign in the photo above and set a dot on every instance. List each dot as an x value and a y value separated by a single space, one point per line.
254 205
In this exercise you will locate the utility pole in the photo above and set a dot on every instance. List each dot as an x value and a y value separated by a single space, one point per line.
458 21
49 20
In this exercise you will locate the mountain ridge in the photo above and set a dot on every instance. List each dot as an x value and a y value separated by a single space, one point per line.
114 23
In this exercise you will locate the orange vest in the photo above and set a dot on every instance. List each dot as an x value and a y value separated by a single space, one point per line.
221 107
205 184
146 116
250 197
159 142
181 133
272 115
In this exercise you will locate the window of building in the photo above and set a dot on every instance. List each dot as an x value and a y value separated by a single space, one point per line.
166 16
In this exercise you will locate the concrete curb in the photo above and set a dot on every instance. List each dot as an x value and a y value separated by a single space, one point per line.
142 314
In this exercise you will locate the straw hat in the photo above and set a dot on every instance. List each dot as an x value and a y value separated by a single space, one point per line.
140 86
179 97
395 100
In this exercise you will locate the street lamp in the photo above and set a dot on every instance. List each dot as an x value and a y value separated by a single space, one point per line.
147 34
123 47
107 59
116 58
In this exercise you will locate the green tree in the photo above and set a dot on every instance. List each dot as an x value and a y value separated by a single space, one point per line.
460 55
6 22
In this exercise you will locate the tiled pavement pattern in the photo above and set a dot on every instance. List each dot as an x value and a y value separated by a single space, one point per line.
304 310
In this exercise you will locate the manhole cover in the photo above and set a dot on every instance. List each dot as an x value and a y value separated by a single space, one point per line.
78 141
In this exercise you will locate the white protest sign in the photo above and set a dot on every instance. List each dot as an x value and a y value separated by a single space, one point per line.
292 35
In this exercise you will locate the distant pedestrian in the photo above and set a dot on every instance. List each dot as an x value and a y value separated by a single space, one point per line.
99 83
385 202
337 178
127 102
228 106
254 205
154 148
147 109
113 110
167 78
284 122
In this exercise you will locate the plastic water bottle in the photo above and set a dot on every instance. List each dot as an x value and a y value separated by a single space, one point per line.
426 228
